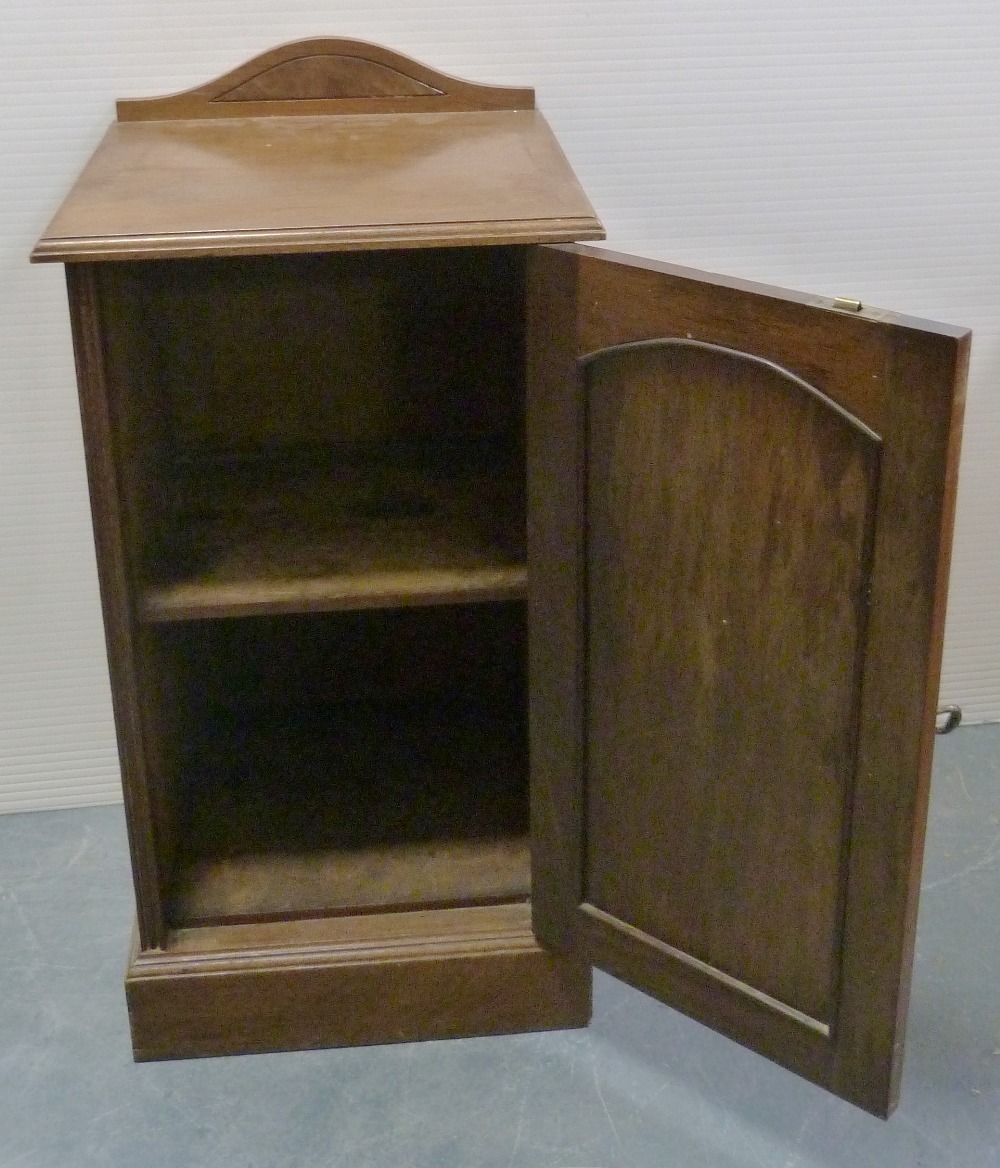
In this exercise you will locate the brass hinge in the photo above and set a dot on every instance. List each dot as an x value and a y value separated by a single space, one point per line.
846 304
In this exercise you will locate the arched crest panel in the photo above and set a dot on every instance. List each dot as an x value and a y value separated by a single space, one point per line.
326 75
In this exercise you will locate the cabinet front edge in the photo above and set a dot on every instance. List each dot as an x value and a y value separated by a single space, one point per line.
281 242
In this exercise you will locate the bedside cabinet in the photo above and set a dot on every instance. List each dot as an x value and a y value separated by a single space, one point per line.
482 607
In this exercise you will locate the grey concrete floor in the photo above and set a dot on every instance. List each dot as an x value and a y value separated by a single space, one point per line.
641 1087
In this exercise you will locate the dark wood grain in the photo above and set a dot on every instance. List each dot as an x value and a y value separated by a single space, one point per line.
449 973
729 519
149 812
754 859
924 401
327 76
555 463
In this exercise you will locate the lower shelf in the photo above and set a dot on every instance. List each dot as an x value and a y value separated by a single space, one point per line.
350 981
362 807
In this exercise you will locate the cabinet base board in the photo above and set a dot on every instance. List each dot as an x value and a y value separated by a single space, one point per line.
351 981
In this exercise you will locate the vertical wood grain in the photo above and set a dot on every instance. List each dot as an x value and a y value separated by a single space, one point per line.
924 394
555 463
829 998
124 652
729 514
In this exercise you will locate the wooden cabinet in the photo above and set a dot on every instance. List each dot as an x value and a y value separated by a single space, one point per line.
481 610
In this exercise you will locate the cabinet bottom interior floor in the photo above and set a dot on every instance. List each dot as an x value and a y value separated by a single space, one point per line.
345 763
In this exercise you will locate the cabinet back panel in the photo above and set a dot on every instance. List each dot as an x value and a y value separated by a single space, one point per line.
271 665
359 351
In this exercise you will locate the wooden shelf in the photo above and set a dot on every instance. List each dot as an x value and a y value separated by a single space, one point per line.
271 536
200 599
374 806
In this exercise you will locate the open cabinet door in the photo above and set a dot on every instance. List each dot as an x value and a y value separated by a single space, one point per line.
740 506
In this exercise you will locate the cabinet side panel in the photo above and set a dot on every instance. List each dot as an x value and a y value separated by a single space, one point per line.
126 644
141 448
555 438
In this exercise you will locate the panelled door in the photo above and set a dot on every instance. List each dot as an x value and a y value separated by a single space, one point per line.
740 510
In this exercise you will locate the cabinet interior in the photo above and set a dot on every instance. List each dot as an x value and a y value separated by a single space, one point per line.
346 762
322 474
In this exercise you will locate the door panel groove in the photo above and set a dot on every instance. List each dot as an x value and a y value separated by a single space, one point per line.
705 969
726 350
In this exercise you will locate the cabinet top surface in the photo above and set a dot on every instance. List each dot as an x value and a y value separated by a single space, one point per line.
321 145
260 185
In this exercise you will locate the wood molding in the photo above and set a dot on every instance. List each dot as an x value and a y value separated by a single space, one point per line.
345 982
361 237
323 76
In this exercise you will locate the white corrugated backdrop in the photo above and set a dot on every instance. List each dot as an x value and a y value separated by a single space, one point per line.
847 149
